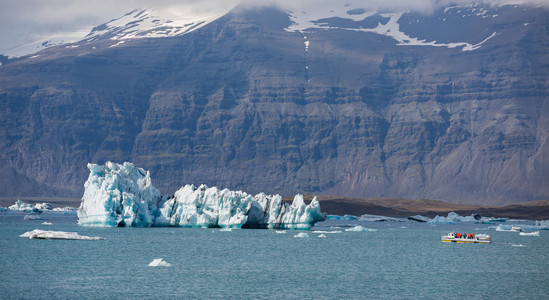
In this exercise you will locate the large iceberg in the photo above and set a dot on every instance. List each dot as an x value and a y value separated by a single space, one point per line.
122 195
118 195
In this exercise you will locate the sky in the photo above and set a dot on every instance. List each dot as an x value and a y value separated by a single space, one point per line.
25 21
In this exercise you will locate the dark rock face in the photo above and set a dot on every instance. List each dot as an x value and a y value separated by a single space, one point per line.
243 104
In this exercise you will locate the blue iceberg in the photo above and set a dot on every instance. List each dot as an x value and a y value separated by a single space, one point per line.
118 195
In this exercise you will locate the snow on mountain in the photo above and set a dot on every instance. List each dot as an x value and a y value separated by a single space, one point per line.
139 23
148 23
355 18
153 23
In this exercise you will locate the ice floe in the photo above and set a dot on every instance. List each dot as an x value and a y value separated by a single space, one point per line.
38 208
122 195
159 262
359 228
57 235
301 235
534 233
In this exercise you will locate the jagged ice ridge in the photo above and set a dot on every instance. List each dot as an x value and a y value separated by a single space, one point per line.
118 195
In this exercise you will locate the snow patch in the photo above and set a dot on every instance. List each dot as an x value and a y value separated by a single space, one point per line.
304 21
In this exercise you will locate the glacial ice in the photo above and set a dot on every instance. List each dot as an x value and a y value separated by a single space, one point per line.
159 262
341 218
359 228
122 195
22 206
454 218
118 195
57 235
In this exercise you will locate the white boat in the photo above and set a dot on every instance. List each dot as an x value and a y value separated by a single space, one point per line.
535 233
453 237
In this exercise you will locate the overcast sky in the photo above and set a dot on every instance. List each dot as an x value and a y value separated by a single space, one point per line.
24 21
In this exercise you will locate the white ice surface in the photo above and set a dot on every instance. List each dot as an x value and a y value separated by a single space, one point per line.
57 235
159 262
359 228
118 195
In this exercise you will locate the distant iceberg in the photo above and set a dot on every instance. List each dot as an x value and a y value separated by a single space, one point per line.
22 206
342 218
454 218
118 195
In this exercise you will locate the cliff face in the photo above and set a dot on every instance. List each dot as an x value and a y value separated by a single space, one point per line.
246 102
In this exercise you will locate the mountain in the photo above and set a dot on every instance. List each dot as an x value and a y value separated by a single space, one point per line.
451 105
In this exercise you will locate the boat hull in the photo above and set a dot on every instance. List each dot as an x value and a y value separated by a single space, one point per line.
465 241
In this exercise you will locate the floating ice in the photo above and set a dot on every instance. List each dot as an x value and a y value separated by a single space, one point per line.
534 233
159 262
543 225
454 218
322 235
47 223
57 235
301 235
118 195
32 217
122 195
359 228
344 217
37 208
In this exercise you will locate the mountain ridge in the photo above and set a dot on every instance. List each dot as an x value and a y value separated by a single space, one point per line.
243 103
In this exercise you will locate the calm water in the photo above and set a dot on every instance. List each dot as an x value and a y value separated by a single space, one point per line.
399 260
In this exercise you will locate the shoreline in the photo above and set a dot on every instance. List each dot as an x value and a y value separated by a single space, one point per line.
388 207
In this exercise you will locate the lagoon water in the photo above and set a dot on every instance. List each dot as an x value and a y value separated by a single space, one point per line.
399 260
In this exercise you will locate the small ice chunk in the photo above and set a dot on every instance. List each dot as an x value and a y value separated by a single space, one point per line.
57 235
280 231
225 229
322 235
535 233
47 223
32 217
359 228
159 262
301 235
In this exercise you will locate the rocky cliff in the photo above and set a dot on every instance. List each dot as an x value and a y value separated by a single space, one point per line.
451 106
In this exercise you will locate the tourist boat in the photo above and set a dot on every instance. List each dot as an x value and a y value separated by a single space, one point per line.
516 228
453 237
